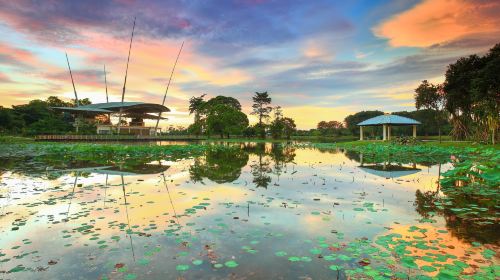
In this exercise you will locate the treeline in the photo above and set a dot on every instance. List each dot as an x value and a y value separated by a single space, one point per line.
465 106
37 117
222 116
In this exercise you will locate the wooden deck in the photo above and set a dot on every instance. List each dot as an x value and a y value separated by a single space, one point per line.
104 137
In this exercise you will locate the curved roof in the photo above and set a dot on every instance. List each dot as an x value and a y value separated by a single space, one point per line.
389 171
112 107
388 119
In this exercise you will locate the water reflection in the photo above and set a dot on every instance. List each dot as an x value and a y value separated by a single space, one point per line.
253 210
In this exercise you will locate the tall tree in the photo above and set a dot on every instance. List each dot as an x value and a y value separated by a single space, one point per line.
261 108
459 98
431 97
486 91
196 106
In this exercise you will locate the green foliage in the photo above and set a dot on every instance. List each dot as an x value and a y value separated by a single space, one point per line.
225 120
219 115
472 92
431 121
196 106
351 121
222 100
330 128
36 117
261 108
404 140
281 126
219 165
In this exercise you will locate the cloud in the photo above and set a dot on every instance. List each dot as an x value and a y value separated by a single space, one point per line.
16 57
4 78
439 21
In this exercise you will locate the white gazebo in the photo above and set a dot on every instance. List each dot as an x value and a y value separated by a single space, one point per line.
387 121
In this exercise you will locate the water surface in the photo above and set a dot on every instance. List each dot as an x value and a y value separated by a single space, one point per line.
264 211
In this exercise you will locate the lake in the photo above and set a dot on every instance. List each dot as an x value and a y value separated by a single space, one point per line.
255 211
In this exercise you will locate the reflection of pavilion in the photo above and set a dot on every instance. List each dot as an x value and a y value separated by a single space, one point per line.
142 169
387 169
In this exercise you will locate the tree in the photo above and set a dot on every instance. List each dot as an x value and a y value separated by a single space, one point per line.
223 100
6 119
289 127
196 106
261 108
351 121
225 120
459 97
81 102
472 95
486 91
431 97
331 127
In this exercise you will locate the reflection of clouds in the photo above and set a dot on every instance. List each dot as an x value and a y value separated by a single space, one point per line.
151 205
463 250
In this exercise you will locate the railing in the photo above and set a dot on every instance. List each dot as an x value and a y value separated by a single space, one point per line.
106 137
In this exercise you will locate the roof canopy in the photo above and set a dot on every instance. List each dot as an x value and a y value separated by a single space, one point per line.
388 119
114 107
389 171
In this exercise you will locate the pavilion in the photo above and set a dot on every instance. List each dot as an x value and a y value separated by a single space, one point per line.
387 121
136 111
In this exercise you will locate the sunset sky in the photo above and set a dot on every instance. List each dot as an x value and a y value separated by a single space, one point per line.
319 60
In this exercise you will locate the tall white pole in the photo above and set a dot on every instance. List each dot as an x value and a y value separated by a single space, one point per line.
168 85
125 81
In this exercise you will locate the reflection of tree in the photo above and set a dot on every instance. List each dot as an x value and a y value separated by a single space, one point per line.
221 165
468 216
281 155
260 171
278 153
425 202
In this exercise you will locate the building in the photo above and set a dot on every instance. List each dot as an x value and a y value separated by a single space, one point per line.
387 121
133 115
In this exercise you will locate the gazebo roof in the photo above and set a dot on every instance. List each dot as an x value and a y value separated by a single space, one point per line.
389 171
113 107
388 119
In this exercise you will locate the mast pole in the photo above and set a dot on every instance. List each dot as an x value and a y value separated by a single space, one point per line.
125 81
74 90
106 83
72 81
107 99
168 85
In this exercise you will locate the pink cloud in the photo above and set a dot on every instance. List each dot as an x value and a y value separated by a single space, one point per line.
438 21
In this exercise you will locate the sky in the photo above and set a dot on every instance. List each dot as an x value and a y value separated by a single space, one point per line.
319 60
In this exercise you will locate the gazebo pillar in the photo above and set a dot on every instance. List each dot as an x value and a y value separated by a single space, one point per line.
414 131
384 132
361 133
389 132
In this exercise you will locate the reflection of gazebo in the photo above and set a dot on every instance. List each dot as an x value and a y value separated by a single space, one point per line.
387 121
389 170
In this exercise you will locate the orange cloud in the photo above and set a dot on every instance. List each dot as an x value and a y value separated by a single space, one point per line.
436 21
